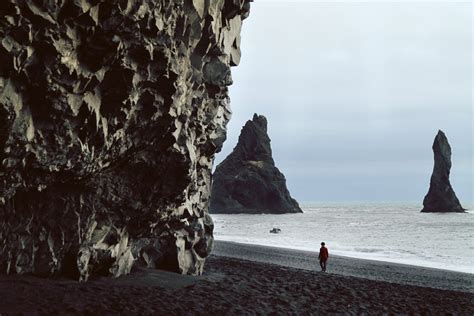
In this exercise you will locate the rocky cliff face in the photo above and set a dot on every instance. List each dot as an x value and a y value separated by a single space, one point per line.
441 197
110 115
248 181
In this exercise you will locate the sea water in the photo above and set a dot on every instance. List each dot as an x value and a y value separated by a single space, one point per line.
392 232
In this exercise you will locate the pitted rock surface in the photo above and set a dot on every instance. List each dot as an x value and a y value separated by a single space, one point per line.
110 115
441 196
248 181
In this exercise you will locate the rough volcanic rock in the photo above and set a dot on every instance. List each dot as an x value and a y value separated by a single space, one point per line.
110 115
248 181
441 197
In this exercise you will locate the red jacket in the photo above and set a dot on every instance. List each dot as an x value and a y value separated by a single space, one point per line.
323 254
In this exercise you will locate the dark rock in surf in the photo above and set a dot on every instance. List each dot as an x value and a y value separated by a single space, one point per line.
441 197
248 181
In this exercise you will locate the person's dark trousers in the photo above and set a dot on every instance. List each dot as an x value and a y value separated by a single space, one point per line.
322 263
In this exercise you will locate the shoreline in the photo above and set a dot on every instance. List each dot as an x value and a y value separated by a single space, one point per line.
248 280
348 266
390 232
381 260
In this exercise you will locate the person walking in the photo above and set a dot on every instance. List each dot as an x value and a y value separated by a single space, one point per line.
323 256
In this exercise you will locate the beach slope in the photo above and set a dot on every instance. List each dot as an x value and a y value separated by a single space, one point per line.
246 279
346 266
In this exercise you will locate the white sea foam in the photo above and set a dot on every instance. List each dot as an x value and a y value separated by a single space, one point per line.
378 231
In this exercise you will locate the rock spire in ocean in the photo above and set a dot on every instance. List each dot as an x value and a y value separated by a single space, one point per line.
441 196
248 181
110 115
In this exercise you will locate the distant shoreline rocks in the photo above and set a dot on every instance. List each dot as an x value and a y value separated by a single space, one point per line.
441 197
248 181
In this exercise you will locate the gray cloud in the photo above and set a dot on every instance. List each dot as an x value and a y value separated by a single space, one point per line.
355 93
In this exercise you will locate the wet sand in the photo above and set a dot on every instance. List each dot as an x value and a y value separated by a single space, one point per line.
367 269
246 279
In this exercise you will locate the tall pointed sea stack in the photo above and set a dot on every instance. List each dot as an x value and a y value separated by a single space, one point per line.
248 181
441 197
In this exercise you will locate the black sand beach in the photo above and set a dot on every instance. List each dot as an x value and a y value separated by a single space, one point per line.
360 268
246 279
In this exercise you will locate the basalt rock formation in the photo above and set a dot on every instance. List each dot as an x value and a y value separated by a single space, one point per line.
248 181
110 115
441 197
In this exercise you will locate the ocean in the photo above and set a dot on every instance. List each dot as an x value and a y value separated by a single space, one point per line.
391 232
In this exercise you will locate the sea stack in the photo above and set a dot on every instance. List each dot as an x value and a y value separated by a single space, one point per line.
248 181
110 115
441 197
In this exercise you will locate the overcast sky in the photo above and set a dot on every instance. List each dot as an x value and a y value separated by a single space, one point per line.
355 93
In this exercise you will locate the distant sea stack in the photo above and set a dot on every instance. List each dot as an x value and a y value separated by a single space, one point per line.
441 197
248 181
